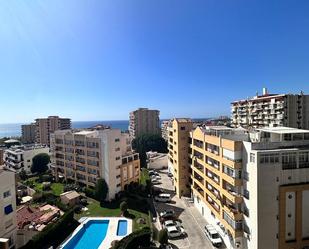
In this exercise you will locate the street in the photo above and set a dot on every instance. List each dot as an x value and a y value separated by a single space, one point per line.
192 220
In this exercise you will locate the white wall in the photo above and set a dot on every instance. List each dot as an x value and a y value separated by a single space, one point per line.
7 180
305 208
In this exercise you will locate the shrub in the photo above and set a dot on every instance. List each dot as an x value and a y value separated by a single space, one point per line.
139 238
163 237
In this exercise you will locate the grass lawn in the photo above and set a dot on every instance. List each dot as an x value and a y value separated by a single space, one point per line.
144 176
57 188
95 210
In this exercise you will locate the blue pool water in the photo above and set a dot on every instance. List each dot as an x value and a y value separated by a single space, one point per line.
122 228
90 236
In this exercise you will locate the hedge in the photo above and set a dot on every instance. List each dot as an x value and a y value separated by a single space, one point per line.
51 232
135 240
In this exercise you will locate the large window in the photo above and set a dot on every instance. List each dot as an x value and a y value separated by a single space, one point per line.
252 158
289 161
304 160
269 158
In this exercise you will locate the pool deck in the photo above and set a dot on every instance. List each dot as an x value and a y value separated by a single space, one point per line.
111 234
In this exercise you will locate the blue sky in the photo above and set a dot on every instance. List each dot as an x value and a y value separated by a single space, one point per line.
99 59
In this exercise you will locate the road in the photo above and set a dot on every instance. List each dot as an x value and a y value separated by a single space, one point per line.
192 220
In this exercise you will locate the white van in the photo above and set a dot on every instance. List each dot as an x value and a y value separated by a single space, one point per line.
163 197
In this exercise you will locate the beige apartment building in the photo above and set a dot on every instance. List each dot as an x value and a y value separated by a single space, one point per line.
8 226
178 156
46 126
253 186
28 133
144 121
289 110
84 156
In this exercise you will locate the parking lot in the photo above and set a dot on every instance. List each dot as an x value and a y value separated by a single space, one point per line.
191 219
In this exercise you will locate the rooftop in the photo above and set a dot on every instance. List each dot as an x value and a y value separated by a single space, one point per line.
282 130
71 195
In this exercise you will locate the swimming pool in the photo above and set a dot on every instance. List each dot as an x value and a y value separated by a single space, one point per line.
90 236
122 228
98 232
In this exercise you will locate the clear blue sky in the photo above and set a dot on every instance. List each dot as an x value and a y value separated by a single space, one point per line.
100 59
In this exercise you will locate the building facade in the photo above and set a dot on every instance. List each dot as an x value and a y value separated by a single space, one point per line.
19 158
164 129
178 133
46 126
253 186
85 156
28 133
8 227
144 121
289 110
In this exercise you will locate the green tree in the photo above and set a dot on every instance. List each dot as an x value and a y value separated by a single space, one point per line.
101 190
148 142
124 207
40 163
163 237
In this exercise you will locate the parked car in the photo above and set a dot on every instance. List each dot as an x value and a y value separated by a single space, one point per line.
213 235
175 232
171 223
163 198
155 181
170 174
167 214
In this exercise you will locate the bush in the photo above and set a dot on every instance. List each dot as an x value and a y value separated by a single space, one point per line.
124 207
163 237
89 192
139 238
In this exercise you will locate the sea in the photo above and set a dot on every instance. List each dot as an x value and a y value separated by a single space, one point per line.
14 130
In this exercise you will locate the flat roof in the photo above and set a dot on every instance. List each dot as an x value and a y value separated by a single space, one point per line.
83 132
282 130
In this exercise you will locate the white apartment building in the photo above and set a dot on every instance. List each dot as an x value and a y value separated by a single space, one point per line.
164 129
20 157
8 227
252 185
84 156
289 110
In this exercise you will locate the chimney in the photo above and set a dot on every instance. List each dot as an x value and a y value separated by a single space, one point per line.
265 92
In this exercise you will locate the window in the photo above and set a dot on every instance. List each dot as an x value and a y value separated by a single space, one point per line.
8 209
7 194
117 158
269 158
289 161
183 128
287 137
117 140
252 158
304 160
246 194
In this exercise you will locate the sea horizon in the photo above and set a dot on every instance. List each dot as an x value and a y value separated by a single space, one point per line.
14 129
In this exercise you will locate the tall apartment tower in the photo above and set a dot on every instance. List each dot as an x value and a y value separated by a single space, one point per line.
28 133
8 225
290 110
252 186
46 126
144 121
178 133
84 156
